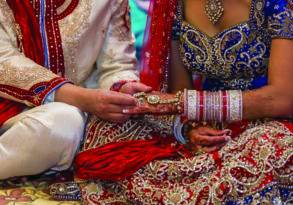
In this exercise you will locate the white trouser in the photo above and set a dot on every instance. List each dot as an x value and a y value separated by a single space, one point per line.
41 138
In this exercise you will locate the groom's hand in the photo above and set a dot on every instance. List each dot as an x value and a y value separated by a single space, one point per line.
135 87
107 105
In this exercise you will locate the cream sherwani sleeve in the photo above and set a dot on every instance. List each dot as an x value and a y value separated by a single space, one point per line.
117 59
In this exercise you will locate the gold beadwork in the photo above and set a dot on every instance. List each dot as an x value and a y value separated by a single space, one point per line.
214 9
155 99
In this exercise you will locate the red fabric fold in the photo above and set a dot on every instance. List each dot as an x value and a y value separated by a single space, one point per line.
116 161
8 109
119 160
24 15
31 42
157 42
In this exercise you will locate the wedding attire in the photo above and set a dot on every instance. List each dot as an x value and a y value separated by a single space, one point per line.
43 45
254 167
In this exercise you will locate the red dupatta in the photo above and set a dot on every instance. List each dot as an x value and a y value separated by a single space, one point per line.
119 160
157 43
31 44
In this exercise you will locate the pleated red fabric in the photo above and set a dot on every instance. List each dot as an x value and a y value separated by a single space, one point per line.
31 42
24 15
157 42
119 160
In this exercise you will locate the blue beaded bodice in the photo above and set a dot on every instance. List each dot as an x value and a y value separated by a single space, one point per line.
238 57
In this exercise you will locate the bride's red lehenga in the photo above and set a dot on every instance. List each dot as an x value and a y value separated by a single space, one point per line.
127 164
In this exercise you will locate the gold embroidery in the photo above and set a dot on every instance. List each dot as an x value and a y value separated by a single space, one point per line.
23 75
258 12
9 25
280 25
71 29
19 36
122 22
63 7
109 132
186 181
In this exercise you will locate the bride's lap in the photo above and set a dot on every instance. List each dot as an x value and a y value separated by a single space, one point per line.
257 157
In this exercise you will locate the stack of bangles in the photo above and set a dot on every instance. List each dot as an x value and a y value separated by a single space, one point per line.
200 106
203 106
221 106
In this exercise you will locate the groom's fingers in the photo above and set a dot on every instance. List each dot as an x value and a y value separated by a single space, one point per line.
136 110
121 99
139 87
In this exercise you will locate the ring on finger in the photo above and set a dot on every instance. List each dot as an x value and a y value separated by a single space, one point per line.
199 151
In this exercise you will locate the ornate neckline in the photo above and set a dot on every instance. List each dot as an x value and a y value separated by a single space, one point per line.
218 34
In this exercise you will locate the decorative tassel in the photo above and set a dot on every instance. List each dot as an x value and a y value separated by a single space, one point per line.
119 160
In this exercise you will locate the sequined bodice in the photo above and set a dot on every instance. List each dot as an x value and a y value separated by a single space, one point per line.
236 58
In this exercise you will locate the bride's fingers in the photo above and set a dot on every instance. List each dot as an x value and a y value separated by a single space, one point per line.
213 148
198 149
213 132
208 140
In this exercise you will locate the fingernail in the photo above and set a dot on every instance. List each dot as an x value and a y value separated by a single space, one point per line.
228 131
125 111
228 138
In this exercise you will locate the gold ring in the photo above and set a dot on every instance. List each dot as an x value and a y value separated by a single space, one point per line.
199 152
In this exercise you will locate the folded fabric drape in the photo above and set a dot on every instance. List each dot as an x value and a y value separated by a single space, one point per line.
119 160
30 41
157 41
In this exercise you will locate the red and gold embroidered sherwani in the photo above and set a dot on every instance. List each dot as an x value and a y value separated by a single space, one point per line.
84 41
46 43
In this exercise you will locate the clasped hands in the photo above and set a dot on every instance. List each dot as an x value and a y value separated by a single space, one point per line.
118 107
202 138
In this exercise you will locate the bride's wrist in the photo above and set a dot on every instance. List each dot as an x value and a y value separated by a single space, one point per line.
220 106
163 103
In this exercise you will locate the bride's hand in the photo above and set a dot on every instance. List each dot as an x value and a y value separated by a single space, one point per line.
207 139
144 107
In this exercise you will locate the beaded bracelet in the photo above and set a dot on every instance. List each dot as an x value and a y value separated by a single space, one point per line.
153 99
213 106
